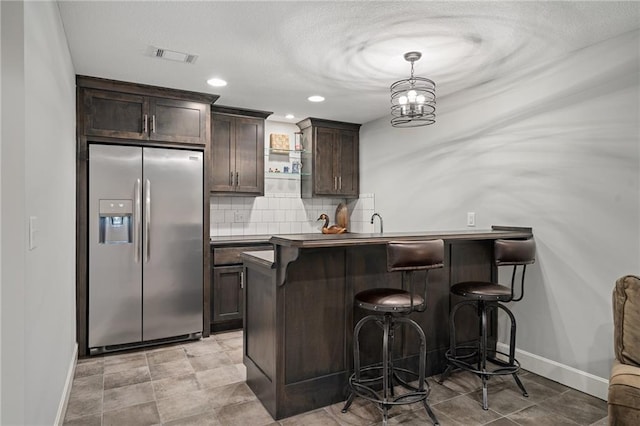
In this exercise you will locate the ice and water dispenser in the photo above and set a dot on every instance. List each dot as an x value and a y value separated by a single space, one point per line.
116 221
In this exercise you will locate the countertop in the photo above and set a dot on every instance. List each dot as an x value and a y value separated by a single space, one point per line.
262 258
239 240
352 239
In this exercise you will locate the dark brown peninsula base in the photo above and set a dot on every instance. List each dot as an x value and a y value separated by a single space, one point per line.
299 311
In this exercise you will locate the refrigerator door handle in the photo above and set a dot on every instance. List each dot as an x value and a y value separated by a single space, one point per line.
136 222
147 221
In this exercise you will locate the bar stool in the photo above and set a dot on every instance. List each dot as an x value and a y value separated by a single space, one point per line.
484 296
391 307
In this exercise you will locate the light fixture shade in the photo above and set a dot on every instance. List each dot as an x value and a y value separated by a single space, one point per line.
413 100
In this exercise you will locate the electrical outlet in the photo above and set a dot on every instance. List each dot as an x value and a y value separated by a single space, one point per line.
33 232
238 216
471 219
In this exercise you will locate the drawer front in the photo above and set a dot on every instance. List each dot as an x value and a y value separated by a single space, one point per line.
231 255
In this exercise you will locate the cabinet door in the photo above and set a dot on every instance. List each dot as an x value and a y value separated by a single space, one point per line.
178 121
115 115
226 297
249 156
346 163
222 170
325 180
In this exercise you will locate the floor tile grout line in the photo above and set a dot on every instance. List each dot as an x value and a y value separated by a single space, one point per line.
153 388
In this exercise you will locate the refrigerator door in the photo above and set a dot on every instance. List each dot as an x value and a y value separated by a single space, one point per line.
172 243
115 272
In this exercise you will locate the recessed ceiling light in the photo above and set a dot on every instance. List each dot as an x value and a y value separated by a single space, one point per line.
315 98
216 82
289 116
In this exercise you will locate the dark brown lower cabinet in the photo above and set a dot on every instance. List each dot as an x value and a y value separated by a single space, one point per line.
227 282
226 303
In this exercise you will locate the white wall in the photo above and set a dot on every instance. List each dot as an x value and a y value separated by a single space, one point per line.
43 171
556 147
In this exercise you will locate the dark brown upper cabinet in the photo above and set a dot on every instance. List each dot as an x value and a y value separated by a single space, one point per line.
237 151
330 158
121 110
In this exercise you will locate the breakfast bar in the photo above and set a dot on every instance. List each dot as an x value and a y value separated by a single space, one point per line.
299 311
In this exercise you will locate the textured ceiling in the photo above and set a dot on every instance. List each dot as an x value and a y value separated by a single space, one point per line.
276 54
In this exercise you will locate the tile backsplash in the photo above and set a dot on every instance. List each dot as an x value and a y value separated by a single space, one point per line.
284 213
360 211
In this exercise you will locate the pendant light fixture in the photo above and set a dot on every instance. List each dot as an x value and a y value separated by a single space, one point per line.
413 100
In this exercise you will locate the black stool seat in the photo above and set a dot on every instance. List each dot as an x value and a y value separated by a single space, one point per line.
388 300
481 290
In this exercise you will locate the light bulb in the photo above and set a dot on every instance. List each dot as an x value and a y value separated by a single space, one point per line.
411 94
402 100
420 99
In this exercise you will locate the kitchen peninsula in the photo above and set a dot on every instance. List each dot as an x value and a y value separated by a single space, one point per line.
299 312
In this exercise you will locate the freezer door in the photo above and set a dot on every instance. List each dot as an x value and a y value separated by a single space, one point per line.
172 243
115 271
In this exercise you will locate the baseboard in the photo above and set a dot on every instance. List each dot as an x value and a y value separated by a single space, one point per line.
568 376
64 401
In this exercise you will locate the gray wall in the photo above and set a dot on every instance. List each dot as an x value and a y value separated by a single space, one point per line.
554 146
12 217
38 308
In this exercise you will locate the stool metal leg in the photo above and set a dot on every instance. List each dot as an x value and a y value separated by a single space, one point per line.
452 343
356 355
422 381
391 330
512 347
385 368
482 362
451 353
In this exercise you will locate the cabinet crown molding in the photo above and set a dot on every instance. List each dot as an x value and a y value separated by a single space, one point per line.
88 82
321 122
221 109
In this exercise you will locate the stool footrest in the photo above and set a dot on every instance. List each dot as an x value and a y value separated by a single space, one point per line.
505 368
360 388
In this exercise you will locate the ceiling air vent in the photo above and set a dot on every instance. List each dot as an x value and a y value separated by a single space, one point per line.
174 56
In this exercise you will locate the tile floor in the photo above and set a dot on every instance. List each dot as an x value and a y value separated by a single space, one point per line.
202 383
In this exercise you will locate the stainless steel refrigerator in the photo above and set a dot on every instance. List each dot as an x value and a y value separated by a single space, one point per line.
145 246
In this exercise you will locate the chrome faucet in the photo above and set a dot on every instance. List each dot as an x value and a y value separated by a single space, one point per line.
379 217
